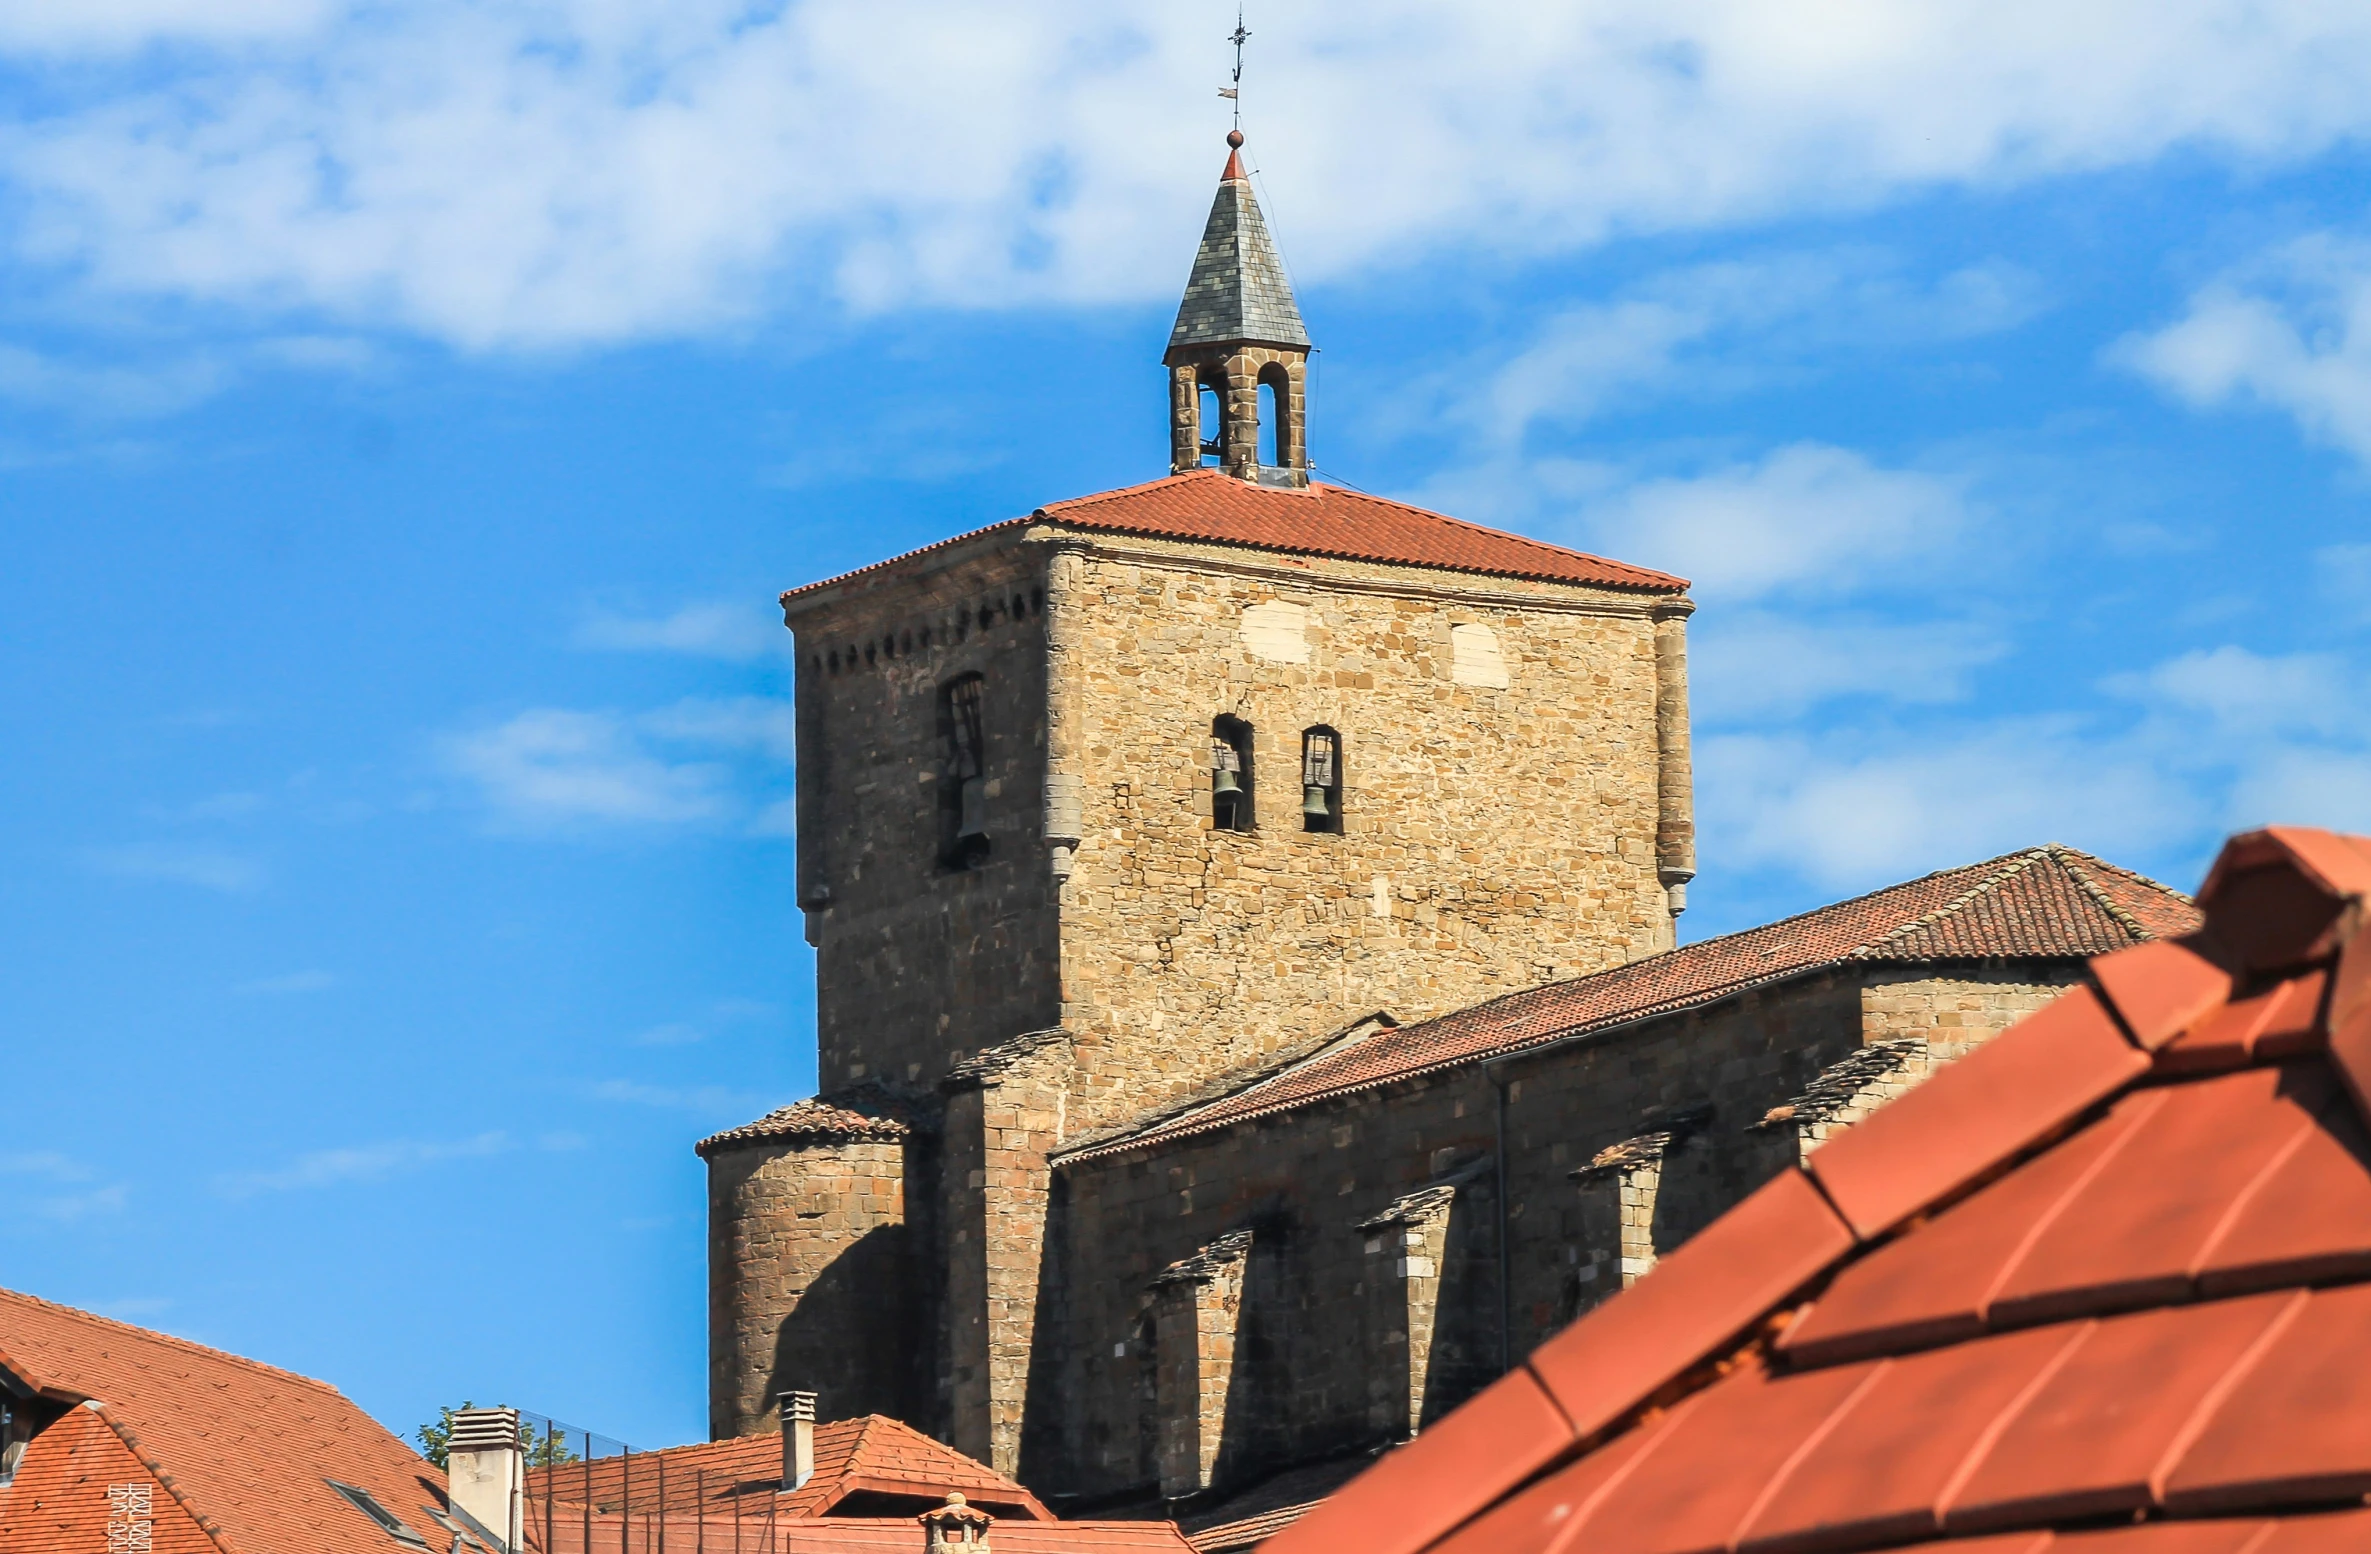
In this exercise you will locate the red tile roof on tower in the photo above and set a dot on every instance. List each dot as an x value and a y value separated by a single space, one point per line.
2046 903
227 1454
1322 520
2102 1287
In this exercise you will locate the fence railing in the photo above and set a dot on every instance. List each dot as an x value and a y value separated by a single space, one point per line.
589 1494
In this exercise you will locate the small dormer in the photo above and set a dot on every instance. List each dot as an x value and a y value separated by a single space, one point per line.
1238 358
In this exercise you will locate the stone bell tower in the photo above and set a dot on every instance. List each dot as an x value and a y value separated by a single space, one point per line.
1149 791
1240 343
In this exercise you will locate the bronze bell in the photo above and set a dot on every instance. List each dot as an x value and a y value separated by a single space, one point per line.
972 815
1314 805
1224 783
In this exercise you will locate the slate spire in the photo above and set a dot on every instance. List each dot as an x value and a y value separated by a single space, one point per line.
1240 345
1237 292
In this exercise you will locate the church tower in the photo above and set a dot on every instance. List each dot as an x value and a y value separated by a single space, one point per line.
1239 356
1148 792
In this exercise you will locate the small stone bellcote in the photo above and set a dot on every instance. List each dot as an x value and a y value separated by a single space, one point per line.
1239 336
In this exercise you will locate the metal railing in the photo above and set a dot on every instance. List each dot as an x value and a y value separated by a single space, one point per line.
590 1494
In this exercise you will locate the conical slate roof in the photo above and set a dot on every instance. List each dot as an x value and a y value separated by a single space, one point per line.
1238 290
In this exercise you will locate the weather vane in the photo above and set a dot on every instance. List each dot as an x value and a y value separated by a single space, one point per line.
1233 93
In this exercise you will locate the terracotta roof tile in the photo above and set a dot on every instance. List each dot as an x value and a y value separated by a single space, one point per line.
2049 902
1322 520
865 1111
2151 1306
872 1453
245 1449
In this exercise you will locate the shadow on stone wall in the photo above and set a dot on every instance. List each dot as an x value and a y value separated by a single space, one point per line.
1465 1321
848 1338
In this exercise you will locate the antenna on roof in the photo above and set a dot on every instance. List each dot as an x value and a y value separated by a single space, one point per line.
1234 93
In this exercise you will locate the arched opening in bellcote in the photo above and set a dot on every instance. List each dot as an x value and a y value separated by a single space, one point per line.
1276 430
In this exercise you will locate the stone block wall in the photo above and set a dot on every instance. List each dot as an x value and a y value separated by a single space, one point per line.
919 965
811 1280
1500 802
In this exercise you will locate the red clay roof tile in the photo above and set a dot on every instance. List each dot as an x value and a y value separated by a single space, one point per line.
1506 1433
2227 1176
2293 1429
1709 1292
2158 989
1322 520
2036 1076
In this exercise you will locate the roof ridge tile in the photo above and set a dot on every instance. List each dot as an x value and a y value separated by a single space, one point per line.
152 1335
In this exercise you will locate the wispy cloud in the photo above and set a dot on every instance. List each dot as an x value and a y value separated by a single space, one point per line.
729 631
706 1100
2290 331
360 1163
64 1191
312 981
639 169
673 1034
211 868
696 760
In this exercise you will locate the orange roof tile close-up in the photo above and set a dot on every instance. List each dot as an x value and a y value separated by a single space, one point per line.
2102 1287
2048 902
1321 520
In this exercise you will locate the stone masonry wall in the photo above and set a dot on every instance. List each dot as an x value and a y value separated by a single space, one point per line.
918 966
809 1280
1499 802
1307 1181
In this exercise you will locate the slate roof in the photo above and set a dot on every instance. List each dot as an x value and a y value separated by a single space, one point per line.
236 1453
1319 520
864 1111
2101 1287
2048 902
1237 291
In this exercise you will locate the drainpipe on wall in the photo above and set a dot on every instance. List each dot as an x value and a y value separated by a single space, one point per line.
798 1439
1506 1292
486 1470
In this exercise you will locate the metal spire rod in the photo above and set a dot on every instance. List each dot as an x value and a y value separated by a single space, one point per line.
1234 93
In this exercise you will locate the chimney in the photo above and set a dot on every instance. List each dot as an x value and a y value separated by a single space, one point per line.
956 1525
486 1470
798 1438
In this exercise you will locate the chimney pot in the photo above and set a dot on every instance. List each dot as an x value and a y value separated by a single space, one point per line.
798 1439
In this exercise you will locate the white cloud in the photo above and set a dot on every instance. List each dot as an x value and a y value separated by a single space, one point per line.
158 389
1753 665
360 1163
550 764
1810 518
2291 332
705 630
208 867
2211 741
64 1195
588 170
755 723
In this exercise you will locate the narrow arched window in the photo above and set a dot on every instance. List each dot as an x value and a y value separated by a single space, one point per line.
1321 780
1214 429
1230 775
1276 398
963 774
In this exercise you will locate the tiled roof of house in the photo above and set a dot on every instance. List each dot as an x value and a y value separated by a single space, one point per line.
872 1453
1250 1532
720 1494
1322 520
863 1111
1237 290
236 1453
2102 1287
2050 902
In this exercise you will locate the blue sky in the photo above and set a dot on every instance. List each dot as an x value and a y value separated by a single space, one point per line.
407 416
